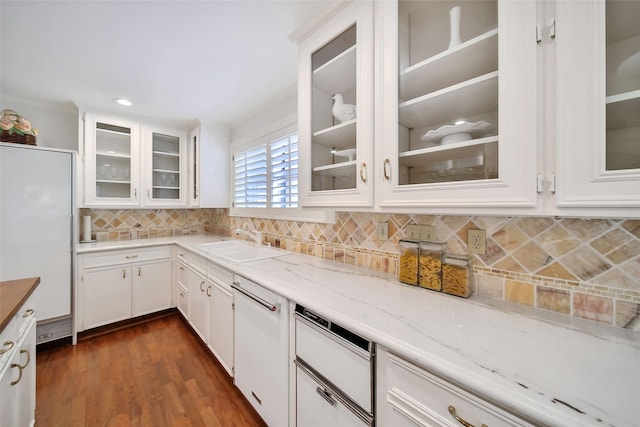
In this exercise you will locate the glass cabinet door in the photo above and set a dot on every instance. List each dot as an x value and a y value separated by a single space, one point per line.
165 166
598 106
336 110
112 169
458 104
448 90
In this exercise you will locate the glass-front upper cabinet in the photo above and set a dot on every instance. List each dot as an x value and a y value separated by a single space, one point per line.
458 108
111 162
336 110
165 168
598 105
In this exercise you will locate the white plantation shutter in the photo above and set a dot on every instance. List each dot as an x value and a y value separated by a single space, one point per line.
250 178
284 172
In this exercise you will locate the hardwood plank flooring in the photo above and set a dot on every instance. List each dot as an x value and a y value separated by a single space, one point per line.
156 374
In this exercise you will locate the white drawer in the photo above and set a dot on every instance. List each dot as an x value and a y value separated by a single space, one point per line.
16 328
198 263
413 394
182 255
341 362
183 274
124 256
221 275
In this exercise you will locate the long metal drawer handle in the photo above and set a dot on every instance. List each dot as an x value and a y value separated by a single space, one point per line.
266 304
326 396
253 393
131 256
8 345
452 411
28 312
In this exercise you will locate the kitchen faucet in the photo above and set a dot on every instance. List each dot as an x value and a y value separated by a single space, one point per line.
254 234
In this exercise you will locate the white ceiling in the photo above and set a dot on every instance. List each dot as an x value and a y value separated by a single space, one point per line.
176 60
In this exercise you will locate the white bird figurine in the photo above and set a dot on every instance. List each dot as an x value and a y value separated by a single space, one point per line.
341 111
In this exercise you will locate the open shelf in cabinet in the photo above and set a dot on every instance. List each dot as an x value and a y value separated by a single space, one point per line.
329 77
113 154
469 98
336 169
474 57
340 136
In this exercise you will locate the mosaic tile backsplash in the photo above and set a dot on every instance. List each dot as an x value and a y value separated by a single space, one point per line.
584 268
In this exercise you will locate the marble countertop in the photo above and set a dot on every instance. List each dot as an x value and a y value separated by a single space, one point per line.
553 369
13 294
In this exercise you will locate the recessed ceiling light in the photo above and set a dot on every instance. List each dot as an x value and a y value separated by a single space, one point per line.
123 101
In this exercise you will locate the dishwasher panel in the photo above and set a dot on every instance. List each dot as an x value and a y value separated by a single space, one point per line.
262 350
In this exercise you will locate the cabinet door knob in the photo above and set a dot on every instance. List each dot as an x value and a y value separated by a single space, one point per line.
363 172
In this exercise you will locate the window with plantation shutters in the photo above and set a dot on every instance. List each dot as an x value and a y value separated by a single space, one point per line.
283 170
250 178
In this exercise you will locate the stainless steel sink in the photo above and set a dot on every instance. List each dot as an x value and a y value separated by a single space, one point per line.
239 251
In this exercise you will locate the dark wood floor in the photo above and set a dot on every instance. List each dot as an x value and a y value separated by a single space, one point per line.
155 374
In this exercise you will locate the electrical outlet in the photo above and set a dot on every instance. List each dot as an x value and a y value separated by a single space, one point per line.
383 231
477 241
421 232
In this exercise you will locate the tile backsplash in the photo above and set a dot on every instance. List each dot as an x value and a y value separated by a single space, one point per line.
584 268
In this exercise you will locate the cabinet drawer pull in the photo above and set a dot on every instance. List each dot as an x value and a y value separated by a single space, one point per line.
131 256
386 168
7 345
124 273
209 291
452 411
266 304
28 312
139 271
326 396
202 286
363 172
253 393
21 367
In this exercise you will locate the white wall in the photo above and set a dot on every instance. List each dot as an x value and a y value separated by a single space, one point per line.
57 123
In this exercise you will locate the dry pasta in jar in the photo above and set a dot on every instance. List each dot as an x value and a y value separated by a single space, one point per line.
456 275
408 266
430 265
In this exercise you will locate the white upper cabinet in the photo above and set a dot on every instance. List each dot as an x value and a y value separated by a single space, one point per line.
127 164
335 107
456 106
111 161
165 166
597 87
208 168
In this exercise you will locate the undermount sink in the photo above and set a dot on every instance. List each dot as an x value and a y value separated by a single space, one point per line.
239 251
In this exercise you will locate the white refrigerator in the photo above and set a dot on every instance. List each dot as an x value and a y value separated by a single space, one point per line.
37 230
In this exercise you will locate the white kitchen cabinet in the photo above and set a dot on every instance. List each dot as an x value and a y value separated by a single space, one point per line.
199 288
147 296
183 289
409 396
456 119
18 369
220 328
336 156
118 285
208 179
129 164
597 110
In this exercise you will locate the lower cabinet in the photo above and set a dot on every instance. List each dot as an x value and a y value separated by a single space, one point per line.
18 371
220 330
409 396
199 288
118 285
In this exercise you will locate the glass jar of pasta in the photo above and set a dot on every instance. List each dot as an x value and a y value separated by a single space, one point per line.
456 274
430 265
408 267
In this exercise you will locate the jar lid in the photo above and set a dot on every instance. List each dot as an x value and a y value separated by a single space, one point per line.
435 246
457 259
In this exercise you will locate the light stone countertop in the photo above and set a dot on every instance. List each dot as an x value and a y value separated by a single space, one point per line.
554 369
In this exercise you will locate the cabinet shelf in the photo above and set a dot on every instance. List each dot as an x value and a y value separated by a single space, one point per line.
114 133
165 187
166 154
472 58
112 181
470 98
340 136
166 171
113 154
407 155
332 77
621 97
337 169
